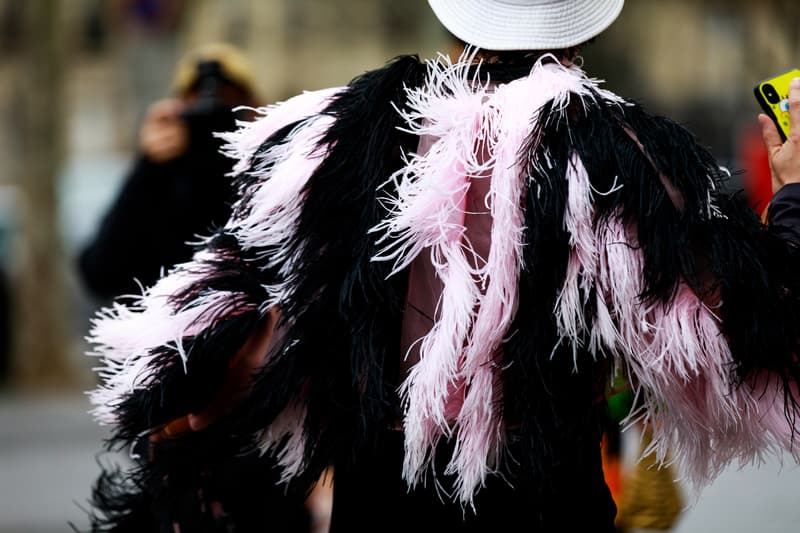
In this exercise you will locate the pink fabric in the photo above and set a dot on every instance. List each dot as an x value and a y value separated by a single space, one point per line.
422 307
457 220
425 288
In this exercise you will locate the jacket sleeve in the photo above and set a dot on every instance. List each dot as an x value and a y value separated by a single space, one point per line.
680 283
308 190
224 287
784 211
166 353
126 241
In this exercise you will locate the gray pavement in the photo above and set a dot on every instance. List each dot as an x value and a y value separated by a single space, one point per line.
48 448
754 500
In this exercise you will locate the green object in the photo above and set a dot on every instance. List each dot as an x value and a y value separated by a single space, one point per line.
619 405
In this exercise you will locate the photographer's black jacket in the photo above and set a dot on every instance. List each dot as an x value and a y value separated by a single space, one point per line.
162 210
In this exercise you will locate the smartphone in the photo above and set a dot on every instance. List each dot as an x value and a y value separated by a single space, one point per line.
773 96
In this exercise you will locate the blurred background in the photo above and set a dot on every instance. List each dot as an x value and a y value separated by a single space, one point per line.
78 76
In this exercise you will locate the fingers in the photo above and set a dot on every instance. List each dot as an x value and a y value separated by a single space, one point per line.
163 135
166 109
769 132
163 140
784 160
202 420
243 366
794 109
176 427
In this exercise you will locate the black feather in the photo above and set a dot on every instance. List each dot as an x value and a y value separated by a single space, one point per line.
342 351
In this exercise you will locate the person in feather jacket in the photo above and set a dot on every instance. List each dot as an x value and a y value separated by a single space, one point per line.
428 279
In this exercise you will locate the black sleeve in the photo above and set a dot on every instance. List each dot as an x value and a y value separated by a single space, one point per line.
784 212
125 245
162 209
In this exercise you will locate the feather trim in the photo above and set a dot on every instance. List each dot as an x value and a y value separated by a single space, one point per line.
338 362
479 133
243 144
582 267
125 336
651 252
284 439
610 238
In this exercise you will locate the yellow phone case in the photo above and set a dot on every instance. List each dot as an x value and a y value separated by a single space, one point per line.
773 96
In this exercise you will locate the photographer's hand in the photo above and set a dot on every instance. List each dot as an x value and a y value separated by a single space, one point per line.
784 157
164 135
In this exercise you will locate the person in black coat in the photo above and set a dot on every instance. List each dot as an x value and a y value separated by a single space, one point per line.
177 189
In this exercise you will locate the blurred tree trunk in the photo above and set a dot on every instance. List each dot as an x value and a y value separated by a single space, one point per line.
39 347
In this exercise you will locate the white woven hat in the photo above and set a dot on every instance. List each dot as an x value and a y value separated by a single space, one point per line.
525 24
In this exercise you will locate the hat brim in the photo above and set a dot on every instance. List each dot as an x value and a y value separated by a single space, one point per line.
508 25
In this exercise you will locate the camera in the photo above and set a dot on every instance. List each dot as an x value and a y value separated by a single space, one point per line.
208 113
770 93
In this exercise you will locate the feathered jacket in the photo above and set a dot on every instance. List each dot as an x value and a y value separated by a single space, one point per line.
607 245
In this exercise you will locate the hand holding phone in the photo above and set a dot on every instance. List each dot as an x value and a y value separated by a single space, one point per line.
773 96
783 153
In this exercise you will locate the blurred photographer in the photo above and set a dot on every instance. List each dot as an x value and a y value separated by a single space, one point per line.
176 192
177 189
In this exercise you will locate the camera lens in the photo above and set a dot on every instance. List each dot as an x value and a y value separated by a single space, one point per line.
770 93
